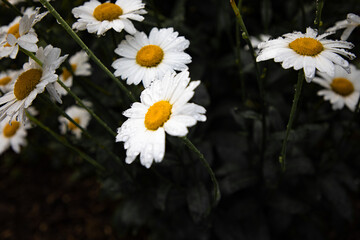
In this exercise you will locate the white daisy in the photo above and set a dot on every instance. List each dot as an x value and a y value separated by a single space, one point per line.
307 51
20 33
163 108
31 82
350 23
12 134
100 17
79 115
80 67
148 58
341 89
7 79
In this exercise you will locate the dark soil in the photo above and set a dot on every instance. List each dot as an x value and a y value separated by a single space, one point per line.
38 201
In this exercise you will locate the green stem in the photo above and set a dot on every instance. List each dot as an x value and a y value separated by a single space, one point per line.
12 7
319 6
66 143
31 55
259 76
238 58
282 157
81 104
191 146
68 29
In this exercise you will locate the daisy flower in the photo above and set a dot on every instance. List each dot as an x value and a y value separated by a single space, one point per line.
12 134
350 23
7 78
32 81
80 67
341 89
147 58
20 33
100 17
308 51
163 108
79 115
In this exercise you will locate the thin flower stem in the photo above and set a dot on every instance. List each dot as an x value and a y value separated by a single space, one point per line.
66 143
259 76
217 194
18 12
238 58
71 32
79 101
319 6
81 104
282 157
31 55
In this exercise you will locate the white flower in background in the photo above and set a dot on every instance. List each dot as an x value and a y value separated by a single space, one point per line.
350 23
255 41
147 58
13 134
341 89
19 1
80 67
163 108
31 82
79 115
7 79
99 17
307 51
20 33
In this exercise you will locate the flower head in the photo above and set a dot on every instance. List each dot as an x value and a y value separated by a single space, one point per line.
7 79
100 17
12 134
341 89
79 115
31 81
79 66
20 33
147 58
307 51
163 108
350 23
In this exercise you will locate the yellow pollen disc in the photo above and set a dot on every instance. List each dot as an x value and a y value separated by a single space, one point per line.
14 30
149 56
26 83
72 126
4 81
107 11
10 130
306 46
342 86
66 73
157 115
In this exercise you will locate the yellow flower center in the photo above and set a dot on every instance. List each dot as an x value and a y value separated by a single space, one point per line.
14 30
66 73
10 130
107 11
72 126
149 56
306 46
157 115
26 83
342 86
4 81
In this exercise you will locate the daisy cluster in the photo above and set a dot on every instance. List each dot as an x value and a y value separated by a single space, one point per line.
157 60
315 54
